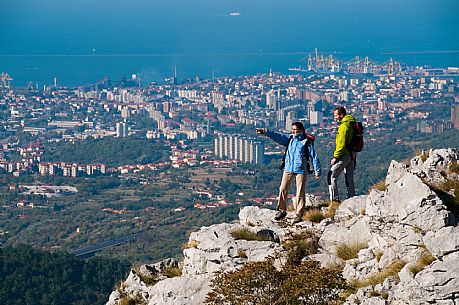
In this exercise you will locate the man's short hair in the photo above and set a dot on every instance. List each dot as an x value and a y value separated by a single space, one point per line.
341 110
298 125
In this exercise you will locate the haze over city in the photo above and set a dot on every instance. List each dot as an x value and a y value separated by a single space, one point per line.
80 42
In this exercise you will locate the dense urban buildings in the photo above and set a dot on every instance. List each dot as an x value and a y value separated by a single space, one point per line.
210 111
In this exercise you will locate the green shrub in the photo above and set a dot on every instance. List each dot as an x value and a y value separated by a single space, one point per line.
262 284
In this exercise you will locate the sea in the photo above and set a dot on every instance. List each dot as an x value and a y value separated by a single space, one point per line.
79 42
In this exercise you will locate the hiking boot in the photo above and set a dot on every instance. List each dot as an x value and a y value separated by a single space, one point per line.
280 215
297 219
335 202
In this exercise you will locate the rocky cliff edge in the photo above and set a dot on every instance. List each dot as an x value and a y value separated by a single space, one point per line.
409 221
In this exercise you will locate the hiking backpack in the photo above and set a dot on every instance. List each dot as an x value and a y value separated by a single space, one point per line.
356 144
309 139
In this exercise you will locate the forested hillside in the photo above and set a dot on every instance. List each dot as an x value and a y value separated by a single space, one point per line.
110 151
33 277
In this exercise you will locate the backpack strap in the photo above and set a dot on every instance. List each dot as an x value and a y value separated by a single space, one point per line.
309 139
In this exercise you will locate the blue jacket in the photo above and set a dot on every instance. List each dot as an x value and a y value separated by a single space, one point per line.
294 155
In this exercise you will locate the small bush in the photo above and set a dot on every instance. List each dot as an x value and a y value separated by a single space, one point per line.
262 283
346 252
246 234
300 245
454 167
314 215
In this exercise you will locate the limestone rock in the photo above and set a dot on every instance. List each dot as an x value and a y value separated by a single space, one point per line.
396 225
442 242
180 290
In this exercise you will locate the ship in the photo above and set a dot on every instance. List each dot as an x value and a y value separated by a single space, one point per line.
235 14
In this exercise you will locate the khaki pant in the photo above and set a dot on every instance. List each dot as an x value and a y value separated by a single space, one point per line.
300 192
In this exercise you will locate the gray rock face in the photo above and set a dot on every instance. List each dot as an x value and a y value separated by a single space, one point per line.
443 242
397 227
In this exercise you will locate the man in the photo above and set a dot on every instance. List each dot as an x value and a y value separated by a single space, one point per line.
343 157
298 149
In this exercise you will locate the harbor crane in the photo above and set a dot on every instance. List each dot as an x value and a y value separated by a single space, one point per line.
5 80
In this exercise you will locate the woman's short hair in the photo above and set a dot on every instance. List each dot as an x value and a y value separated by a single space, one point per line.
299 125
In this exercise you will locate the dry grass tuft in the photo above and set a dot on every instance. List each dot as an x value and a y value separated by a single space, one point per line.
129 300
380 186
378 254
314 215
423 154
331 211
377 278
150 280
423 261
384 295
346 252
246 234
417 230
172 272
192 244
426 258
241 253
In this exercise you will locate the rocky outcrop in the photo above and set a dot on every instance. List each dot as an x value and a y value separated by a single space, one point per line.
408 244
